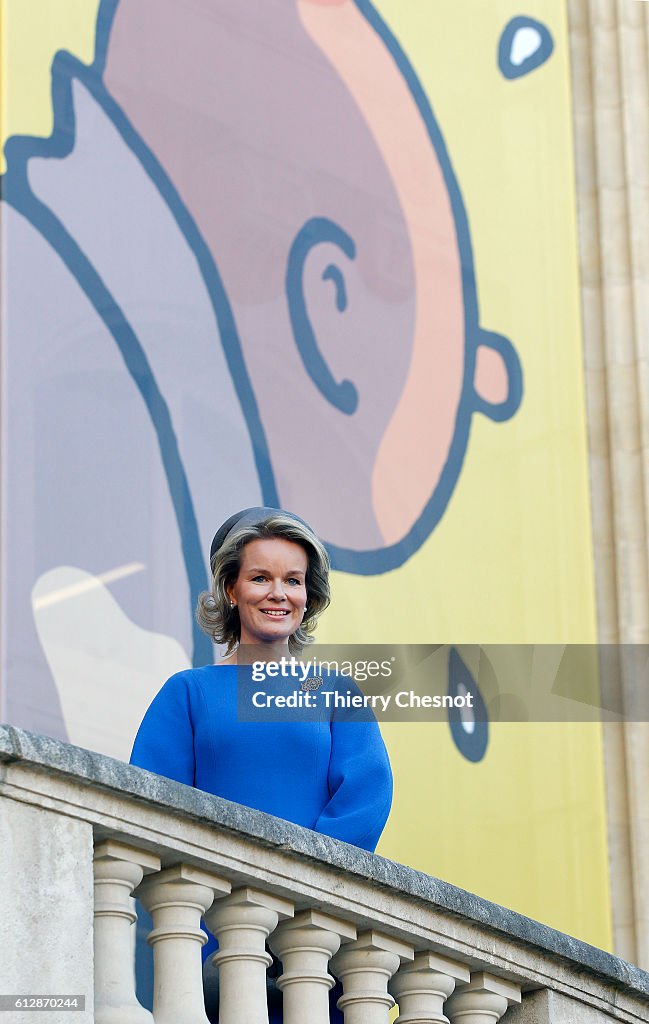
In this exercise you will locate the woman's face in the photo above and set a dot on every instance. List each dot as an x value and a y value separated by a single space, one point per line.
270 590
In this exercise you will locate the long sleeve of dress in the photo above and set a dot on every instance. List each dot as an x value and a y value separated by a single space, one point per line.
165 740
192 733
360 784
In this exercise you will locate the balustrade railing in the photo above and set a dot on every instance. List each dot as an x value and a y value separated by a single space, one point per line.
88 833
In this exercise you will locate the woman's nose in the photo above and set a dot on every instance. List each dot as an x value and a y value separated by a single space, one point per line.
277 590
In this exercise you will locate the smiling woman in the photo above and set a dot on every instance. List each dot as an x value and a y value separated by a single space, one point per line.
270 591
269 586
265 565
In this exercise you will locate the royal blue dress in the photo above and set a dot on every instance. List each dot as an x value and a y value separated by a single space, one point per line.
329 772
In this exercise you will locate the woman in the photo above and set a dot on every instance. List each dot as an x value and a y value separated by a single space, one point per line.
269 586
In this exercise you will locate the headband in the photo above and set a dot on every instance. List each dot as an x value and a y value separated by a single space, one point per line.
247 517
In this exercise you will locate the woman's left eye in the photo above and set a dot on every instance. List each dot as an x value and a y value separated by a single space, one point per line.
294 581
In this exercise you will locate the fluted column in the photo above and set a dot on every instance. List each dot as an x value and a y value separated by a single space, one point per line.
422 986
365 968
610 79
177 898
483 1000
241 923
305 945
118 869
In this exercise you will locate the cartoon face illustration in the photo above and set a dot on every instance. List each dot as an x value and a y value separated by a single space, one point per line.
245 236
305 151
240 272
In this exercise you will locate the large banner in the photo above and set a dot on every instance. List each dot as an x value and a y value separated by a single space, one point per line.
318 254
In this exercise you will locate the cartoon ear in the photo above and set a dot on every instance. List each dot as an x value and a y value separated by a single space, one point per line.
498 380
316 231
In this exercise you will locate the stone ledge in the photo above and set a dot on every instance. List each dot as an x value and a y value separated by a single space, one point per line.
88 767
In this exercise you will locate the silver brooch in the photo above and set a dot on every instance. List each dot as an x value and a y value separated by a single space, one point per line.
311 684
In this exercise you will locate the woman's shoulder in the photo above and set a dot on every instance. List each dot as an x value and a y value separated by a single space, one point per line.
190 678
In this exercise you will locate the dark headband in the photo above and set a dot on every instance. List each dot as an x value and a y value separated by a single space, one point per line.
247 517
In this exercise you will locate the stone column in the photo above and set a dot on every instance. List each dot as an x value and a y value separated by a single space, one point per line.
483 1000
118 869
365 968
610 81
422 986
177 898
241 923
305 945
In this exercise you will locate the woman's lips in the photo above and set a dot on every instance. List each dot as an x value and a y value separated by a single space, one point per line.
275 612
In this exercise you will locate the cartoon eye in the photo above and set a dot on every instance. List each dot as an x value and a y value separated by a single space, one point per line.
469 726
524 45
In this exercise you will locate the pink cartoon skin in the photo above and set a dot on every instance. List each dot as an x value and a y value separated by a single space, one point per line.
303 147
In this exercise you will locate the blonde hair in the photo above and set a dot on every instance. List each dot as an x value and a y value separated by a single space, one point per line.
221 622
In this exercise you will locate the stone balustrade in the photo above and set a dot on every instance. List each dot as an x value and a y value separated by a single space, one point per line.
82 833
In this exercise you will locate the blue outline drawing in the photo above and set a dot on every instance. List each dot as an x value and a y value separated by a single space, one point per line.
316 231
334 273
540 55
379 560
18 194
16 191
471 744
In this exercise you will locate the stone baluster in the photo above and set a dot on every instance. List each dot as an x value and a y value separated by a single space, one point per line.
118 869
365 968
305 945
241 923
483 1001
177 898
422 986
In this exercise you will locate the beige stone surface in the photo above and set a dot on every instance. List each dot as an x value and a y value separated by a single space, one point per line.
610 82
46 910
547 1007
54 796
